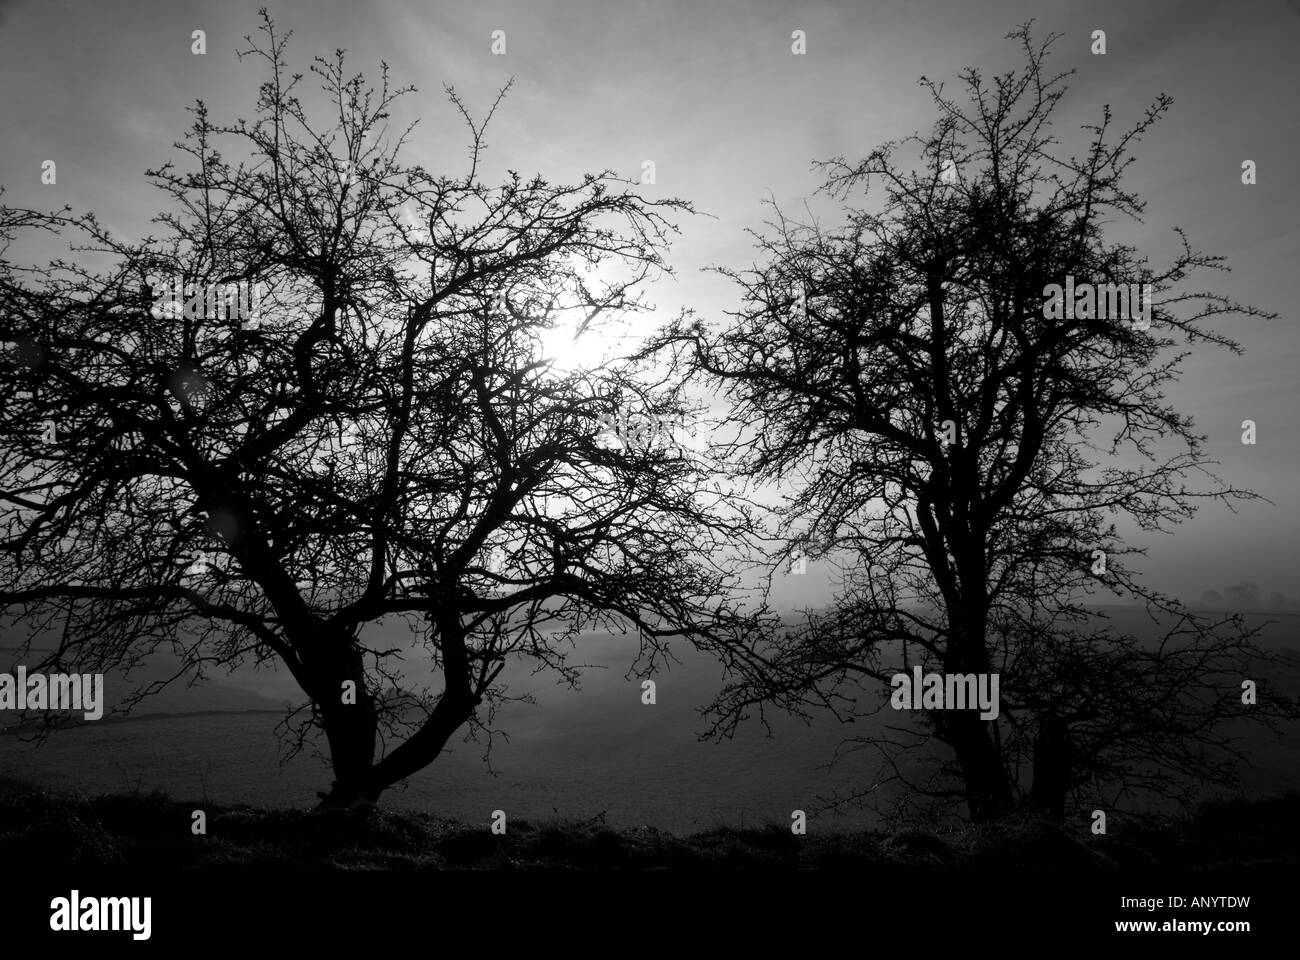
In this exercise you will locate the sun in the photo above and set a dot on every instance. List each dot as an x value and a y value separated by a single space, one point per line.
569 349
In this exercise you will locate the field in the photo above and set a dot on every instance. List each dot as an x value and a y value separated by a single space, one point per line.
594 755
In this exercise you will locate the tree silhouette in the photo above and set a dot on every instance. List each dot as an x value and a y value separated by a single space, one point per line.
962 446
233 478
1244 596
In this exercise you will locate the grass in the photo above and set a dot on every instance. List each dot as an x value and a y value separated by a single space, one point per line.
154 831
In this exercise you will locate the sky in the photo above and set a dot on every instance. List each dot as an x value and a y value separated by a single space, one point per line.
714 96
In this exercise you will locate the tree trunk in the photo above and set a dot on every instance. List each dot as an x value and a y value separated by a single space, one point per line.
988 788
456 706
1053 757
988 791
351 729
423 746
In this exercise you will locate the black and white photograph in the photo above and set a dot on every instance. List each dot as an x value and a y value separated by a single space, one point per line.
710 468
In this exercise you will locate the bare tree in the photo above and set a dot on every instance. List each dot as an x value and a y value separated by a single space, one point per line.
232 477
963 445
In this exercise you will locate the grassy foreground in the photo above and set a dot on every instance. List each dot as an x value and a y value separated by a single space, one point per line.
154 831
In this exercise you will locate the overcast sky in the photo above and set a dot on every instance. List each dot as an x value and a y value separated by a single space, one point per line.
712 94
